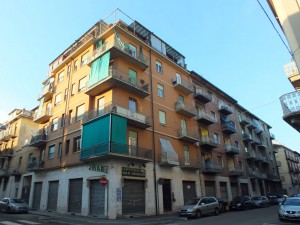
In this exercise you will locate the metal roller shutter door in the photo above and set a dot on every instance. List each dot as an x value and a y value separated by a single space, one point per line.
234 189
52 196
133 198
189 190
210 188
97 198
37 195
75 196
223 189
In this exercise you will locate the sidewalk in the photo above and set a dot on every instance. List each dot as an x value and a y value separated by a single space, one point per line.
71 219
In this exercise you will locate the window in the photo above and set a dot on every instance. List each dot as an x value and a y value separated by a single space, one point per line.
159 67
62 122
57 99
76 144
216 138
132 105
66 94
132 77
186 154
101 106
67 148
59 149
54 124
132 142
210 95
213 114
160 90
132 50
162 117
79 112
70 117
60 77
220 160
236 143
84 59
81 85
51 152
75 65
69 70
73 90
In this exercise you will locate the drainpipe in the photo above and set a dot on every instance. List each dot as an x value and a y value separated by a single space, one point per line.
153 137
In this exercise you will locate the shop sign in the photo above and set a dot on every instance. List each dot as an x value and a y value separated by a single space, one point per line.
133 172
98 168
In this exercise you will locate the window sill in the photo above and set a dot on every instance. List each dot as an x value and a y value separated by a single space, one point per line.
163 124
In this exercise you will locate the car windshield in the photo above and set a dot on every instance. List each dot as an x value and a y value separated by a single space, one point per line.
193 201
256 198
292 201
16 201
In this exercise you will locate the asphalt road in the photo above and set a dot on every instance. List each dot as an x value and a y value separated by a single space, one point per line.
265 216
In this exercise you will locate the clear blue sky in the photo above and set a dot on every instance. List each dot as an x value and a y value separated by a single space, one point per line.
230 43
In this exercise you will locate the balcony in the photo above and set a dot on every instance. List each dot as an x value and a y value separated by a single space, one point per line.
7 135
182 85
258 157
255 140
247 137
250 155
265 160
292 73
275 150
120 49
185 109
15 172
39 139
4 173
35 165
211 168
134 118
206 118
272 136
47 92
189 163
225 109
121 79
208 143
110 150
7 153
202 95
18 113
231 149
244 120
43 116
235 172
228 127
251 125
188 135
254 173
262 144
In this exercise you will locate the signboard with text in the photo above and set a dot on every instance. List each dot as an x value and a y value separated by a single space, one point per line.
133 172
98 168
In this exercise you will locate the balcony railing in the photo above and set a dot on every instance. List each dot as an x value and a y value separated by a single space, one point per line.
244 120
188 135
210 167
122 79
166 160
39 139
115 150
185 109
208 142
119 48
20 113
250 155
7 135
231 149
262 144
228 127
247 137
225 109
189 163
291 69
272 136
255 140
182 85
235 171
4 173
290 104
6 153
202 95
35 165
134 118
206 118
47 92
43 116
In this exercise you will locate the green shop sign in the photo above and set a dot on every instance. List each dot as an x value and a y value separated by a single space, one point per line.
98 168
133 172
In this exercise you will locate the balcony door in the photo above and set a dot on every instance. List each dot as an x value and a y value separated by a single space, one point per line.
132 107
100 108
132 77
178 78
186 154
132 143
183 128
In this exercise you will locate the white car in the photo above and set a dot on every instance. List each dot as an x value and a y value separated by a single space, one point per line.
290 209
13 205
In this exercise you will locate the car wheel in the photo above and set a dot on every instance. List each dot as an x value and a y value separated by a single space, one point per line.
198 214
217 211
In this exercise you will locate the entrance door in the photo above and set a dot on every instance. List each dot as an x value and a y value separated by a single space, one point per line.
234 189
133 197
210 188
75 195
97 198
189 190
223 189
167 195
37 195
26 193
52 195
244 189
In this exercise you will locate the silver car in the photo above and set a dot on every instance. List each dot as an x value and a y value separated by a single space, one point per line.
13 205
290 209
199 206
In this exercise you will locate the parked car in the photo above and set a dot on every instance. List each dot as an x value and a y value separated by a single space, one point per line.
295 195
222 204
240 203
272 199
199 206
289 209
260 201
13 205
281 198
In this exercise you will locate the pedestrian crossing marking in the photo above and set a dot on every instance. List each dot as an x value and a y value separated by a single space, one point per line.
27 222
9 223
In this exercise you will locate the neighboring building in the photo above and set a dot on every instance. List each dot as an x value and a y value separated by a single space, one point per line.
289 168
119 107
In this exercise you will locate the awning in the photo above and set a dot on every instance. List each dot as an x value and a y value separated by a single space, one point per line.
167 148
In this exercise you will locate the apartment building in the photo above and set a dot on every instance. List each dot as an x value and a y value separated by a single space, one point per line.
125 128
289 168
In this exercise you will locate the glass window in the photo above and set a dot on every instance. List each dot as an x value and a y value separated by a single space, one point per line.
159 68
60 77
75 65
57 99
67 148
62 122
76 144
69 70
81 85
73 89
132 50
51 152
70 116
160 90
79 112
132 77
54 124
66 94
59 149
84 59
132 105
162 117
216 138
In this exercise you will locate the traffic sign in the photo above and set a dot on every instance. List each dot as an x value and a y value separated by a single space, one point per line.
103 181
